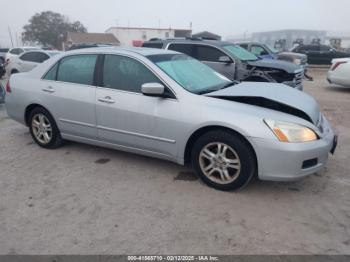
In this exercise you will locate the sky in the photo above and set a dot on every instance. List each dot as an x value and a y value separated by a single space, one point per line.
224 17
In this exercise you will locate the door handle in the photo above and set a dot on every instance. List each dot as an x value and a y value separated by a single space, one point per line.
49 89
107 100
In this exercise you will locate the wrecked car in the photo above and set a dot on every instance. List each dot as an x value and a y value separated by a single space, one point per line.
235 62
165 104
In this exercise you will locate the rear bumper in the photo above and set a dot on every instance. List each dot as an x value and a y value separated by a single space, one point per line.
278 161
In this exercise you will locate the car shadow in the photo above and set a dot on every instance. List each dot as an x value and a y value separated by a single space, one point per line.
336 88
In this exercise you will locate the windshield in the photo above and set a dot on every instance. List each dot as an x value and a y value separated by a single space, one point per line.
240 53
191 74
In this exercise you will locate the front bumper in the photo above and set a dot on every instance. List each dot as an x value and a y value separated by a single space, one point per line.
279 161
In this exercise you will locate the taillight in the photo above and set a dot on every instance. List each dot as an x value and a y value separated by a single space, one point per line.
337 64
8 87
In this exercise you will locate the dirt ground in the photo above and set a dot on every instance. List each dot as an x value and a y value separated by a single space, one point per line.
81 199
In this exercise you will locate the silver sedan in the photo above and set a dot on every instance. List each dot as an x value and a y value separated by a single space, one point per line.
167 105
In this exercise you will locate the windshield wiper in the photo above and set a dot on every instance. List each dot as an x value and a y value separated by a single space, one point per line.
232 83
206 91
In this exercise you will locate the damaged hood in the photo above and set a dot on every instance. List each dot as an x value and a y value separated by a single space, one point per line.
290 68
273 96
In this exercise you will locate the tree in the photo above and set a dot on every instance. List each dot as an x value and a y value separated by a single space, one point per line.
50 29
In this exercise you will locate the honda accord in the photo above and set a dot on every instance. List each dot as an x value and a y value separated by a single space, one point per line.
164 104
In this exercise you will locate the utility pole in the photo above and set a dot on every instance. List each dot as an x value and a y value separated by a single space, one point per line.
9 29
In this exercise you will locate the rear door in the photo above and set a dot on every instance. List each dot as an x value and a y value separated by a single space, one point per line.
208 55
326 54
211 56
312 52
126 117
68 91
29 60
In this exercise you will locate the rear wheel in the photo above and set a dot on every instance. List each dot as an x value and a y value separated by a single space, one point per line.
223 160
43 129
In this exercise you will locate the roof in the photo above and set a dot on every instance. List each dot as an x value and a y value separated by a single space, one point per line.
192 41
207 35
117 49
89 38
146 28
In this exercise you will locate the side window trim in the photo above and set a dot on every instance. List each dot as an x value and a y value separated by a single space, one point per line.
100 69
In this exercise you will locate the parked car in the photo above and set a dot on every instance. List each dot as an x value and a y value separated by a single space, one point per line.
320 54
168 105
266 52
3 52
86 45
339 73
2 69
14 52
28 60
2 94
235 62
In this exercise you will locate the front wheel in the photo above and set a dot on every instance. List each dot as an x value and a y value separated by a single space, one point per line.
223 160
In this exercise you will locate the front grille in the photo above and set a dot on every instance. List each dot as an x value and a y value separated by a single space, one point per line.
298 79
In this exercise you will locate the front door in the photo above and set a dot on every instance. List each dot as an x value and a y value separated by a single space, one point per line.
126 117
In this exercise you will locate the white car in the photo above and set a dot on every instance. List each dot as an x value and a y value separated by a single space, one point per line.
14 52
27 61
339 73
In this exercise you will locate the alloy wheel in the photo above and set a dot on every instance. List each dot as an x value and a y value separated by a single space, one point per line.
42 128
220 163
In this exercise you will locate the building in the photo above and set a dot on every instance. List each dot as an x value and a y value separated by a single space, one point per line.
207 35
286 39
90 38
135 36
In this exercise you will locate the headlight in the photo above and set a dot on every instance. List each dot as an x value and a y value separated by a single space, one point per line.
291 133
297 61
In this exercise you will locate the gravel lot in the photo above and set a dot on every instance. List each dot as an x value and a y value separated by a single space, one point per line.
81 199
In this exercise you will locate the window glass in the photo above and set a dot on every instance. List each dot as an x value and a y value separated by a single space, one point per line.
41 57
245 46
30 57
51 75
258 50
124 73
207 53
325 48
35 57
77 69
189 73
240 53
153 45
182 48
16 51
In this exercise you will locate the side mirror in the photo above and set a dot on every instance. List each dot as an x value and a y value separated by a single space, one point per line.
225 59
152 89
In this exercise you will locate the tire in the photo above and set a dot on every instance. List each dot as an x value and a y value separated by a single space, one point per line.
41 121
232 169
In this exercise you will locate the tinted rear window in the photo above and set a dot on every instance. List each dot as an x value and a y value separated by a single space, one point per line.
77 69
182 48
153 45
